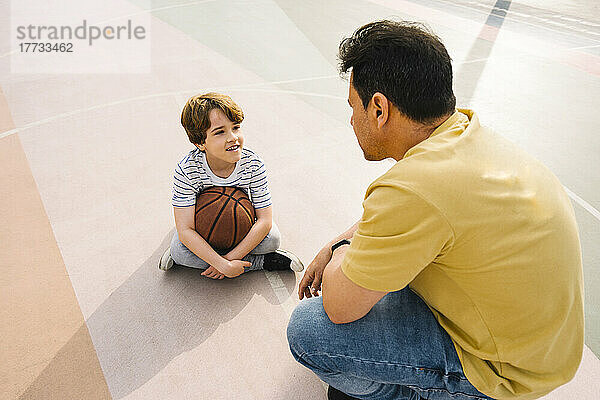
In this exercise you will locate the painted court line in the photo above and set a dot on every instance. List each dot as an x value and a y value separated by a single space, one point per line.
250 87
138 98
295 92
585 62
585 47
165 94
587 206
286 299
508 18
471 61
151 10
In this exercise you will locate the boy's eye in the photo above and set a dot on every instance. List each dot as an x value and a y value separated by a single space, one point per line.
235 128
218 132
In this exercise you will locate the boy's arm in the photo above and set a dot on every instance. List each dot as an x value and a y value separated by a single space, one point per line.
260 229
184 222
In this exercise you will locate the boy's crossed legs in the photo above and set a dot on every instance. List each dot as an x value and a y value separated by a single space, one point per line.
267 249
184 256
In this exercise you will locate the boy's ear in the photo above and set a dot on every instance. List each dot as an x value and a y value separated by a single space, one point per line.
200 146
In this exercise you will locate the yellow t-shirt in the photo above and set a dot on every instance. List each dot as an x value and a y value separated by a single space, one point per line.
486 236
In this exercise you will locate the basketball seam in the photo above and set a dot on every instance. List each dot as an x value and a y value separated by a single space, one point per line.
222 193
206 205
246 211
212 190
218 215
238 200
235 228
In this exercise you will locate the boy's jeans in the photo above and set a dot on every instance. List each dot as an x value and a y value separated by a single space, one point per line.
397 351
184 256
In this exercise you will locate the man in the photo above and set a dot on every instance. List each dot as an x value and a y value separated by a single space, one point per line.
463 278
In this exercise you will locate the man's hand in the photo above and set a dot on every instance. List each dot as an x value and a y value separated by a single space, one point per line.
314 274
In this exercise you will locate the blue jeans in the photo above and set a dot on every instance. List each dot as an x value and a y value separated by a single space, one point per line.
397 351
184 256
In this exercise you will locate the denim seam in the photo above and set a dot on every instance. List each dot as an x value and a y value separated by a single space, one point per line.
385 363
446 391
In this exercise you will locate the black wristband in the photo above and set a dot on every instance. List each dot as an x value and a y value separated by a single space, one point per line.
338 244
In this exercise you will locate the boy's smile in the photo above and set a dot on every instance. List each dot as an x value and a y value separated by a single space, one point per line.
224 143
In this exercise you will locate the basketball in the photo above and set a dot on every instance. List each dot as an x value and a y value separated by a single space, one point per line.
224 216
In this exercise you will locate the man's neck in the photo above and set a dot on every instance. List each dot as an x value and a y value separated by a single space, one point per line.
425 130
413 133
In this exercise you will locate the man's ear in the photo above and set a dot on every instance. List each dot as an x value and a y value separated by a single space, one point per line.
200 146
381 109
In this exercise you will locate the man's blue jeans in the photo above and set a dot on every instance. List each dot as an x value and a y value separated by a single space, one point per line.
397 351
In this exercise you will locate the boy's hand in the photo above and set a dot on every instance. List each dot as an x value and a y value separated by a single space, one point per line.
234 268
314 274
213 273
228 257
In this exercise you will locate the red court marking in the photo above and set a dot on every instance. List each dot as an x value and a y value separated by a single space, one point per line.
489 33
583 61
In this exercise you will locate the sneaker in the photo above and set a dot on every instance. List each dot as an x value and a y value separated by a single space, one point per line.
166 261
282 260
334 394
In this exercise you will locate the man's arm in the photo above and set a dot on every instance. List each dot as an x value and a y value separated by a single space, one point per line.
399 235
343 300
184 222
345 235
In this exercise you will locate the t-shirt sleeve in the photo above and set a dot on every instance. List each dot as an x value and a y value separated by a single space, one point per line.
259 186
398 235
184 194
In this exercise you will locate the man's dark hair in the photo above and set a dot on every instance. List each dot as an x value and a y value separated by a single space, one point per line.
405 62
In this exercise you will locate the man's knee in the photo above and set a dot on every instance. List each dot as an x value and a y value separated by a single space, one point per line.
308 327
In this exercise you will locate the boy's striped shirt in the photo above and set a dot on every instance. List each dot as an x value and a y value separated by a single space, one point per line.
192 175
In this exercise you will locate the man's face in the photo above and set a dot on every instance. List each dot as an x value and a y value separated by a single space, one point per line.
362 127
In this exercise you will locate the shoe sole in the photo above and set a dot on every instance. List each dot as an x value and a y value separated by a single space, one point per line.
296 265
163 264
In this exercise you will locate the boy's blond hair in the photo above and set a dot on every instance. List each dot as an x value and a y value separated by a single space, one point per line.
195 119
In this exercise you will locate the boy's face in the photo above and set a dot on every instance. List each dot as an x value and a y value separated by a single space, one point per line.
224 139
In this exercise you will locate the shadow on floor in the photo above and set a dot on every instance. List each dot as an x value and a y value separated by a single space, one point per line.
154 316
468 76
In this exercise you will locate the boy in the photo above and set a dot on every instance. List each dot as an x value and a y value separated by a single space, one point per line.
212 123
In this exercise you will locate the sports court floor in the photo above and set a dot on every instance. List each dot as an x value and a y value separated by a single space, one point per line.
85 183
